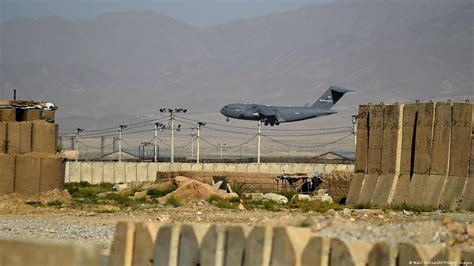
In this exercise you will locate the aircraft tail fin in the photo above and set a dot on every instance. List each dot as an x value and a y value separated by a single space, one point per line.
330 97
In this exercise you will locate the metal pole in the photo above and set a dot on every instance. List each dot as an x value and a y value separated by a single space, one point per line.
258 143
355 119
197 143
76 146
192 144
155 143
172 137
220 144
120 144
72 147
102 142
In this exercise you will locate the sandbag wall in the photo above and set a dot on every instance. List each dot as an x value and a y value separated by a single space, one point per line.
415 154
200 244
28 160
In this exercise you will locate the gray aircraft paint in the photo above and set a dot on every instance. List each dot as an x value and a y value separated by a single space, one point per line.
275 115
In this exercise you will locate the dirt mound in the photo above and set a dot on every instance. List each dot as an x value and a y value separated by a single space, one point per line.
189 190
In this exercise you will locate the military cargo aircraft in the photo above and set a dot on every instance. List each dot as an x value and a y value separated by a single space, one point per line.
274 115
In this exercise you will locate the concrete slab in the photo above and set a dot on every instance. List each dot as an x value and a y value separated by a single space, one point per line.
391 127
220 167
189 253
109 172
252 168
242 167
471 161
401 190
460 137
120 174
423 138
385 189
97 172
167 245
121 250
417 188
432 190
275 168
196 167
163 166
308 168
208 167
410 253
14 252
130 172
452 193
376 120
355 188
316 252
235 244
142 172
362 137
231 167
144 242
468 197
152 169
259 243
86 172
383 253
408 129
351 253
74 172
264 168
441 139
368 188
288 245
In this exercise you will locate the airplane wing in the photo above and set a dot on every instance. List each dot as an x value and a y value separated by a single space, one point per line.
269 115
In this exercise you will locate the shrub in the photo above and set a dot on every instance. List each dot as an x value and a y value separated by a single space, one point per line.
316 206
222 178
222 203
288 193
157 193
238 187
55 203
363 206
268 205
174 201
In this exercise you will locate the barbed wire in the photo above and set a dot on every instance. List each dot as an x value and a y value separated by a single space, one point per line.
307 146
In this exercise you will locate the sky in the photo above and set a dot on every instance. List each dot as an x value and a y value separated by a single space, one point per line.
199 13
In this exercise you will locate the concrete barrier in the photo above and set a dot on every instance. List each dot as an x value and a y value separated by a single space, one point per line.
114 172
200 244
14 252
375 139
362 137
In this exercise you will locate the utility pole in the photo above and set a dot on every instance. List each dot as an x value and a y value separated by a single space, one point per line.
258 140
76 146
102 142
198 148
155 143
121 127
172 112
192 143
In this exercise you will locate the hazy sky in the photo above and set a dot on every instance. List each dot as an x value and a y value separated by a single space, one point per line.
195 12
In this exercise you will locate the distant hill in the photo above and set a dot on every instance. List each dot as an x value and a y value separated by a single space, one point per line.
136 62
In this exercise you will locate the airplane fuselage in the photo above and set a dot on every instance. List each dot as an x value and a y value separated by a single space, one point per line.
267 113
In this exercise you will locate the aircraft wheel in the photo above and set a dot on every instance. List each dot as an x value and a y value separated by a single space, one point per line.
227 119
277 123
266 123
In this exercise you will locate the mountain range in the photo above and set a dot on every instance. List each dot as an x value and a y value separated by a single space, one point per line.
136 62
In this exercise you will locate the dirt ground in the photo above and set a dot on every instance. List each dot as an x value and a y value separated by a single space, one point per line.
19 219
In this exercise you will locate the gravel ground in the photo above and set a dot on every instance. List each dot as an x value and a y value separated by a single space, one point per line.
371 225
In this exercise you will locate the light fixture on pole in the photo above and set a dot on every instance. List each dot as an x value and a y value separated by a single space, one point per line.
172 112
76 148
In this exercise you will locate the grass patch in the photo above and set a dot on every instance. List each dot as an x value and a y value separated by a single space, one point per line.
268 205
157 193
230 203
288 193
412 208
174 201
315 206
238 187
55 203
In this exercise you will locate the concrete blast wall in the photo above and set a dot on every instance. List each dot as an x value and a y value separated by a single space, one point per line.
200 244
426 155
115 172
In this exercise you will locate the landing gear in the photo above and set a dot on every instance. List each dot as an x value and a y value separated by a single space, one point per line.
227 119
266 123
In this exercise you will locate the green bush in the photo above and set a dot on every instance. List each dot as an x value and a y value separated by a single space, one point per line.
222 203
174 201
157 193
55 203
288 193
85 192
238 187
222 178
268 205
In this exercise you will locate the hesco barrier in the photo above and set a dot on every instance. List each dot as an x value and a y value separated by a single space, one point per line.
199 244
115 172
416 154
